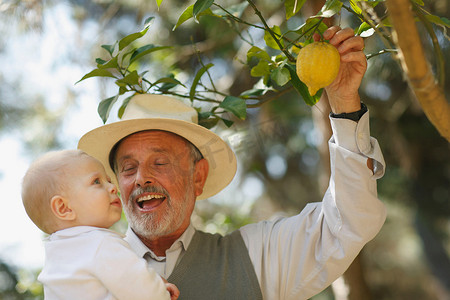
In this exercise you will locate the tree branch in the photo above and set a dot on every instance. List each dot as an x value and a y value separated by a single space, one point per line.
412 57
266 26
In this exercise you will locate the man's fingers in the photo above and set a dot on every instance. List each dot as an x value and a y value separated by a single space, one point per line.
316 37
355 57
341 36
330 32
355 43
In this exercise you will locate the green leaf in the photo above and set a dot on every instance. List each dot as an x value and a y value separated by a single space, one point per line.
209 122
123 90
148 22
168 83
134 36
110 64
419 2
236 10
197 79
258 53
188 13
100 61
311 25
235 105
292 7
330 8
301 88
158 2
144 50
363 27
227 122
123 106
365 30
355 7
204 115
207 119
438 20
169 80
97 73
109 48
105 107
261 69
270 40
200 6
131 79
280 75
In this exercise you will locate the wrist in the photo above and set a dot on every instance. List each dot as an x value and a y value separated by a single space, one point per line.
354 115
345 104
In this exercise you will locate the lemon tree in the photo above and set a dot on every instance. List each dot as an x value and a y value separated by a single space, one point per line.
274 62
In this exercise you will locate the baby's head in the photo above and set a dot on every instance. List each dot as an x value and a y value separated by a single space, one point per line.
69 188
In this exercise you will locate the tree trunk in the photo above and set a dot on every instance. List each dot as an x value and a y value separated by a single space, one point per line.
420 77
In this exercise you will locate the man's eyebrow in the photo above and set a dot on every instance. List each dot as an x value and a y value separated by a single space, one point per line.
124 157
153 149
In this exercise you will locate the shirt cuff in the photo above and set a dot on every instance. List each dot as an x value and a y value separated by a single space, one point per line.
355 137
351 135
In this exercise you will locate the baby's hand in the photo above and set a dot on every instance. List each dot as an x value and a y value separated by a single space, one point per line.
173 291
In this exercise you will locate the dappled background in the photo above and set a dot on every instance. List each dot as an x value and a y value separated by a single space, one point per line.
47 46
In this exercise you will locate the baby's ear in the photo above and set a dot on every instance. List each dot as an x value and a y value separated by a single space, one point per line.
61 209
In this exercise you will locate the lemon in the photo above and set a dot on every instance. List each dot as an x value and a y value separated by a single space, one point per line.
318 65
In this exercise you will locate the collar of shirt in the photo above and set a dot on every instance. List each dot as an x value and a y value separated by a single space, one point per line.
76 230
163 264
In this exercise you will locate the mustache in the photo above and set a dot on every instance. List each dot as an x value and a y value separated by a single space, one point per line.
149 189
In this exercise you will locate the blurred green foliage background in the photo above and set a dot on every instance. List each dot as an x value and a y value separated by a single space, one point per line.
46 46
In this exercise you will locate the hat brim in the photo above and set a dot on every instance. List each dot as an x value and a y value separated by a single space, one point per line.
222 162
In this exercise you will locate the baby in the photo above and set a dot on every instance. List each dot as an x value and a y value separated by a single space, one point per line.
68 195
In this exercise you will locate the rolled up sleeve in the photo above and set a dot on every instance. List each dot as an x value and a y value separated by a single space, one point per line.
297 257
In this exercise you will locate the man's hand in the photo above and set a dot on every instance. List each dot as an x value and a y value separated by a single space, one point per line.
343 91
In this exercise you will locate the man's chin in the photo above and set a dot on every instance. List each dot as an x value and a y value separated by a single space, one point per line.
154 225
150 229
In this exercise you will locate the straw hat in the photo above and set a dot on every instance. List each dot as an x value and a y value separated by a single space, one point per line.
158 112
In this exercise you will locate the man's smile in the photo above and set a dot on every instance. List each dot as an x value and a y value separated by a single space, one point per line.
148 202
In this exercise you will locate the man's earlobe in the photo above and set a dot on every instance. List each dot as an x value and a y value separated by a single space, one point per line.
61 209
200 175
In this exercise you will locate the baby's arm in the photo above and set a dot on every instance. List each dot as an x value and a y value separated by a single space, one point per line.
126 275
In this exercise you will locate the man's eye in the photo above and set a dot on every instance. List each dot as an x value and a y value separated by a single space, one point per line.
161 162
128 168
96 181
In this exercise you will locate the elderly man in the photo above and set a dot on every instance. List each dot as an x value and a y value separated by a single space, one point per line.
164 162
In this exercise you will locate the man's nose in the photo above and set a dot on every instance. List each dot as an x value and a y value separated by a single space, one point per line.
144 176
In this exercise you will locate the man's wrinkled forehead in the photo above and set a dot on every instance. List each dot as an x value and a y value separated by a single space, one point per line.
112 154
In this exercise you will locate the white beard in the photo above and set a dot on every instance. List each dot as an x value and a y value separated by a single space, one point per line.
146 226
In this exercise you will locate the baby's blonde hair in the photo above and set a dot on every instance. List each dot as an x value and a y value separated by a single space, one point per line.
45 178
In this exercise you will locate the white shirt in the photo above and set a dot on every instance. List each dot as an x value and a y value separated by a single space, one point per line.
94 263
297 257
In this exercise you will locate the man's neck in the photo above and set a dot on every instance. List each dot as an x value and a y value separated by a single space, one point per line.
159 245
